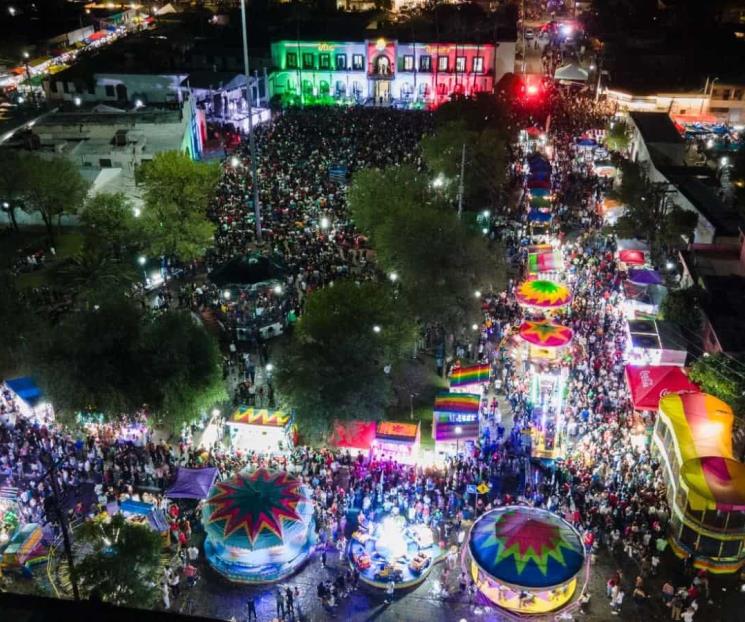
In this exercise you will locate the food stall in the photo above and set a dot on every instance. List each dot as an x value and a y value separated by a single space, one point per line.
397 441
356 436
143 514
455 422
655 342
260 429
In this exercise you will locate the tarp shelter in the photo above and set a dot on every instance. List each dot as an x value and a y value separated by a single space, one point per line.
633 257
397 441
166 9
642 300
26 390
644 277
649 383
192 483
571 73
353 435
97 36
142 513
251 269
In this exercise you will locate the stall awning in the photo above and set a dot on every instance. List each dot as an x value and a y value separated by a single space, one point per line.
645 277
260 416
633 257
649 383
536 215
395 431
353 435
26 389
192 483
97 36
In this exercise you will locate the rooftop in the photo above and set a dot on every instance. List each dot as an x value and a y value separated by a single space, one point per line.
727 220
656 127
726 299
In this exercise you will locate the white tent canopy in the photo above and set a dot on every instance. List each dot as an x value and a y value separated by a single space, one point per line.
571 72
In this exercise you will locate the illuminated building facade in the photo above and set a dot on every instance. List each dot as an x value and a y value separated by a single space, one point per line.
385 71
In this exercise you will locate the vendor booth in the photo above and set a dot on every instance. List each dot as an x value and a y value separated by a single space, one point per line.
648 384
631 253
655 342
455 422
260 526
29 399
143 514
356 436
470 378
642 301
260 430
525 559
705 482
547 424
397 441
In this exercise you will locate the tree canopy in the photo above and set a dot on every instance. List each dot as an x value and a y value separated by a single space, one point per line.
109 223
14 174
335 367
177 192
120 562
114 358
682 306
722 376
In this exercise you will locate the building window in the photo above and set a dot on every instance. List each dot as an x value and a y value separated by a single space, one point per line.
324 61
725 94
308 61
425 63
292 60
341 62
408 63
737 94
478 64
66 87
460 64
442 63
109 90
358 62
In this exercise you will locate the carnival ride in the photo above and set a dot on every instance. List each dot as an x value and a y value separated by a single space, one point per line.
259 526
394 549
525 559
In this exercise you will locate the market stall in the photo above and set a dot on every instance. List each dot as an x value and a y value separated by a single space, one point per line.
455 423
526 559
144 514
642 301
655 342
260 429
356 436
545 261
28 398
397 441
192 483
259 525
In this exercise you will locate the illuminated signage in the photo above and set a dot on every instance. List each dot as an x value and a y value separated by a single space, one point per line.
455 418
325 47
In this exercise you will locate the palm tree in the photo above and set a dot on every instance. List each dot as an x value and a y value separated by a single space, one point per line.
92 273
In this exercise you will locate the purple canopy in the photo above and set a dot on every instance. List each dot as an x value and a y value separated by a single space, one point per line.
645 277
192 483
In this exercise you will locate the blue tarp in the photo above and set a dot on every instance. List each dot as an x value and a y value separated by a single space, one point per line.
536 215
26 389
192 483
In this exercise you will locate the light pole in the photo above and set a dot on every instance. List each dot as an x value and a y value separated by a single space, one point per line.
251 139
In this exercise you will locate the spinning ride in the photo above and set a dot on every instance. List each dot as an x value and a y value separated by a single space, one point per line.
525 559
259 526
543 294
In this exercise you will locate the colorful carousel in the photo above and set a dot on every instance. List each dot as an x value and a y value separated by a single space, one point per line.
545 339
543 294
259 526
394 550
525 559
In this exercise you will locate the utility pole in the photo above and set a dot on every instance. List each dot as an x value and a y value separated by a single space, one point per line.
251 139
462 175
52 474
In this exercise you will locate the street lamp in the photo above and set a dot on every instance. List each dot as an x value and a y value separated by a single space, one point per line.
138 104
77 101
477 294
269 367
474 327
277 289
439 181
324 222
137 212
724 161
393 277
25 55
486 213
251 138
226 294
12 11
235 162
142 260
376 329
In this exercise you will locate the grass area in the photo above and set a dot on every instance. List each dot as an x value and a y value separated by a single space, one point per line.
67 243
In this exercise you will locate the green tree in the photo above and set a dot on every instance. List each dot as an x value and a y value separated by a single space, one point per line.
485 160
119 561
723 377
344 348
683 306
53 187
93 274
177 192
181 363
18 321
109 223
617 137
13 182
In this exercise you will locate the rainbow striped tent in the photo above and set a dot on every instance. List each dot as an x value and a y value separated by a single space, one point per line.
473 374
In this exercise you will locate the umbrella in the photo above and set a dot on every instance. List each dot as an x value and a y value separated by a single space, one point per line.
545 334
541 293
